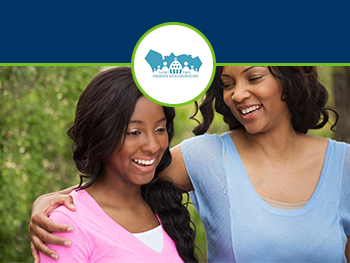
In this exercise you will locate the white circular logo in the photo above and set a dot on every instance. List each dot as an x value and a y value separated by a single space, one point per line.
173 64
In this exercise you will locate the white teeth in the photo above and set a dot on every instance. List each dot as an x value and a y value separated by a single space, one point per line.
144 162
249 110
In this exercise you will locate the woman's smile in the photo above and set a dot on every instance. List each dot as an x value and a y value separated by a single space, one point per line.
144 162
145 165
250 111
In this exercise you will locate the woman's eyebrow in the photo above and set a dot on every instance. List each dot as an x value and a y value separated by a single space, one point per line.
161 120
142 122
244 71
136 121
247 69
225 75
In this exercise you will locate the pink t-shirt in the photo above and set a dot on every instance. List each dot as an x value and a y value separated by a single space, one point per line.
98 238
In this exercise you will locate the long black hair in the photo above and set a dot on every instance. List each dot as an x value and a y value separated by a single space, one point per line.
103 112
305 96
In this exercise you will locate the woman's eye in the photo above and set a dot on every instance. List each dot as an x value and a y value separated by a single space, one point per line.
228 85
161 130
133 133
255 79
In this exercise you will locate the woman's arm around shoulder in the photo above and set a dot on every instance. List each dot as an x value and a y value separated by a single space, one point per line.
78 250
41 225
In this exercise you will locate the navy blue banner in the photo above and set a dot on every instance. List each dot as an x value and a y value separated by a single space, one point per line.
103 32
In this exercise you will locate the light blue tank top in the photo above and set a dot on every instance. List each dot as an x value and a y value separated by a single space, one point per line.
241 227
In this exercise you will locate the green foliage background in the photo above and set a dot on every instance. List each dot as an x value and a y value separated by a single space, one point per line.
37 106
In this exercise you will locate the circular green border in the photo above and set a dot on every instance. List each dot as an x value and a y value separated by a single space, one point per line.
168 24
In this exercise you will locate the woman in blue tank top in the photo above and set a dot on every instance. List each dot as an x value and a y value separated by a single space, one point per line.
266 191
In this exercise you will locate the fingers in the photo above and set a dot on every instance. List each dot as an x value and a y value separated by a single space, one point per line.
38 232
41 222
36 245
40 226
49 238
41 238
35 253
66 200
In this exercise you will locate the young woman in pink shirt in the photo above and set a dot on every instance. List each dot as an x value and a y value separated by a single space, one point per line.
125 213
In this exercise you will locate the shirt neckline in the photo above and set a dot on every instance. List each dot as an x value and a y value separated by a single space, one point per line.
127 233
148 231
274 210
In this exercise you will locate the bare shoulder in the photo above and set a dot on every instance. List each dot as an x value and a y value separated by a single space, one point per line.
314 142
240 132
312 148
239 137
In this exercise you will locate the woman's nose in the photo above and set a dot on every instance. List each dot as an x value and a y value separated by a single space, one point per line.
240 93
150 144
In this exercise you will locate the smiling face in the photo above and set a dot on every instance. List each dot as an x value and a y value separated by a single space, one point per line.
145 143
253 95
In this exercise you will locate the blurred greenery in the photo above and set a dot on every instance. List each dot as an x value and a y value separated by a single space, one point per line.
37 105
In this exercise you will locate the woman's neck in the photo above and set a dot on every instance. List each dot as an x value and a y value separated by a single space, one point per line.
108 191
124 204
280 142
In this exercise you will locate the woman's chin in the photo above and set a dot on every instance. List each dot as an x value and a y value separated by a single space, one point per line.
253 129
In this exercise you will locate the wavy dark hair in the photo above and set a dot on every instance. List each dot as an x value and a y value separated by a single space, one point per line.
305 96
102 116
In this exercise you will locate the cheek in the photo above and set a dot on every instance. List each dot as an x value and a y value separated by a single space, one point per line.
272 89
164 142
227 98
